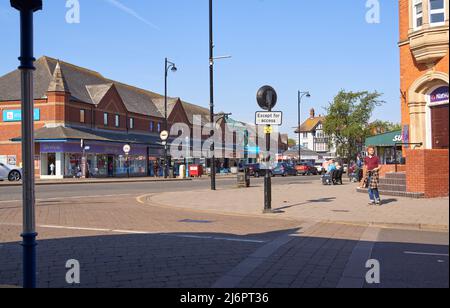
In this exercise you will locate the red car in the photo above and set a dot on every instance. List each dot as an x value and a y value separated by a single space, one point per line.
306 169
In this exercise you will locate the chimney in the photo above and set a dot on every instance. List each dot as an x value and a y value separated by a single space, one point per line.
312 113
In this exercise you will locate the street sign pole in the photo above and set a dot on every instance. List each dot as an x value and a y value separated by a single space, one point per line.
27 8
267 100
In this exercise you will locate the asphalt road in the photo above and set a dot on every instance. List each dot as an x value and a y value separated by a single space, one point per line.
111 189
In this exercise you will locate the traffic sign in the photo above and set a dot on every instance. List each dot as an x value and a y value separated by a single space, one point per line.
268 130
126 148
267 98
164 135
269 118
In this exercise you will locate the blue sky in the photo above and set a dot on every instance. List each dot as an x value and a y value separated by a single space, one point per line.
321 46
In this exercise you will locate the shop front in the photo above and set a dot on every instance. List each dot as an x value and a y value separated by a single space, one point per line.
388 147
64 160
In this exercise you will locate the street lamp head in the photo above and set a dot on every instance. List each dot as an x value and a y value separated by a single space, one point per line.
308 95
174 69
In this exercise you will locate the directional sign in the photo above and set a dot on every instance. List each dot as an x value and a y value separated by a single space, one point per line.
164 135
267 98
269 118
126 148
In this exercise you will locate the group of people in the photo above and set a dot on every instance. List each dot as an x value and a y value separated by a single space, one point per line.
367 170
334 171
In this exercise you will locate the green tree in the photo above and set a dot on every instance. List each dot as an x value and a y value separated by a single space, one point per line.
292 143
348 120
381 127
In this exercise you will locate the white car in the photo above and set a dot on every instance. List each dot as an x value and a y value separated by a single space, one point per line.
10 173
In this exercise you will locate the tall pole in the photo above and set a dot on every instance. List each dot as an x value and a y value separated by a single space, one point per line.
268 178
166 126
299 128
27 8
211 86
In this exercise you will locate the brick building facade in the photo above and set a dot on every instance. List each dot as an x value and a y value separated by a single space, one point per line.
424 56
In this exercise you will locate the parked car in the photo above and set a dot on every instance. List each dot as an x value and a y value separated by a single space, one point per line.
306 169
320 169
284 169
10 173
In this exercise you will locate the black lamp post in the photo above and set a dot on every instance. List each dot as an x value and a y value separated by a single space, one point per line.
168 66
300 97
27 8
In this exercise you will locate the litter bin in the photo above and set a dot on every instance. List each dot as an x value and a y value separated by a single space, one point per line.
243 178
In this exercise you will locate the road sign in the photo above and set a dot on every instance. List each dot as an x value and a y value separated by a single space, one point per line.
126 148
269 118
267 98
268 130
164 135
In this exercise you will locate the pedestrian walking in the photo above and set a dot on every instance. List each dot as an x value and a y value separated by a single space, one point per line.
372 176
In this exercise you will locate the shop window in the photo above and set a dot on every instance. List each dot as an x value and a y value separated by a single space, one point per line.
117 120
417 14
437 12
105 119
82 116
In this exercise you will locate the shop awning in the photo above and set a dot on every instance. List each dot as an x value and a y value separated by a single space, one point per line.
385 140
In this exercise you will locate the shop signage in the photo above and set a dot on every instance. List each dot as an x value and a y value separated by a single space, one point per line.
16 115
93 148
439 95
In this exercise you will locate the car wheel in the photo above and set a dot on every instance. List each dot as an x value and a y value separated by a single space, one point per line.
14 176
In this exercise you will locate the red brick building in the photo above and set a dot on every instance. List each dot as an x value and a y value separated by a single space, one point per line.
74 104
82 116
424 56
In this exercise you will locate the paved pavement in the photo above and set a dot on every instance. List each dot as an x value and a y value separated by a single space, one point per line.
120 242
312 201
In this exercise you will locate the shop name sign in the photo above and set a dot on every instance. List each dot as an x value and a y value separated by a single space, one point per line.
269 118
439 95
16 115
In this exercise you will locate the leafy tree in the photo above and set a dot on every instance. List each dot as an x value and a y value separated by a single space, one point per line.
348 120
381 127
292 143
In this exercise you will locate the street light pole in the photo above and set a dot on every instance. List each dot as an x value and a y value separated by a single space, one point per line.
27 8
300 97
168 65
211 87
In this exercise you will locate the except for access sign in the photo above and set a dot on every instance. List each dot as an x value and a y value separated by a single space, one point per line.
269 118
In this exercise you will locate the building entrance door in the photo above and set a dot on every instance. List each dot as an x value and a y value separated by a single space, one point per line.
440 126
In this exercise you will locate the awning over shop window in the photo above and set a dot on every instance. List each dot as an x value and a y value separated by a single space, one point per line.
385 140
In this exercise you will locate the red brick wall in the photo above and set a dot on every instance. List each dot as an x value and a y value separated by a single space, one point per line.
391 168
427 171
410 71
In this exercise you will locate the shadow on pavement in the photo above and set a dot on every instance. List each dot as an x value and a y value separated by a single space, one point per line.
198 260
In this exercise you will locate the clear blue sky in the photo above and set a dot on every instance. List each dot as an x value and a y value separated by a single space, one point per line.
320 46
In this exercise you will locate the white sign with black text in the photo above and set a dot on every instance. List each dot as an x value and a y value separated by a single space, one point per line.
269 118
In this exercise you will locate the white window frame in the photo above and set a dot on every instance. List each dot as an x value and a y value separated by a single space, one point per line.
416 16
436 11
105 118
82 116
117 120
131 123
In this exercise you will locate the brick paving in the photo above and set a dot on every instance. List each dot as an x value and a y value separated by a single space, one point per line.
312 201
121 242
